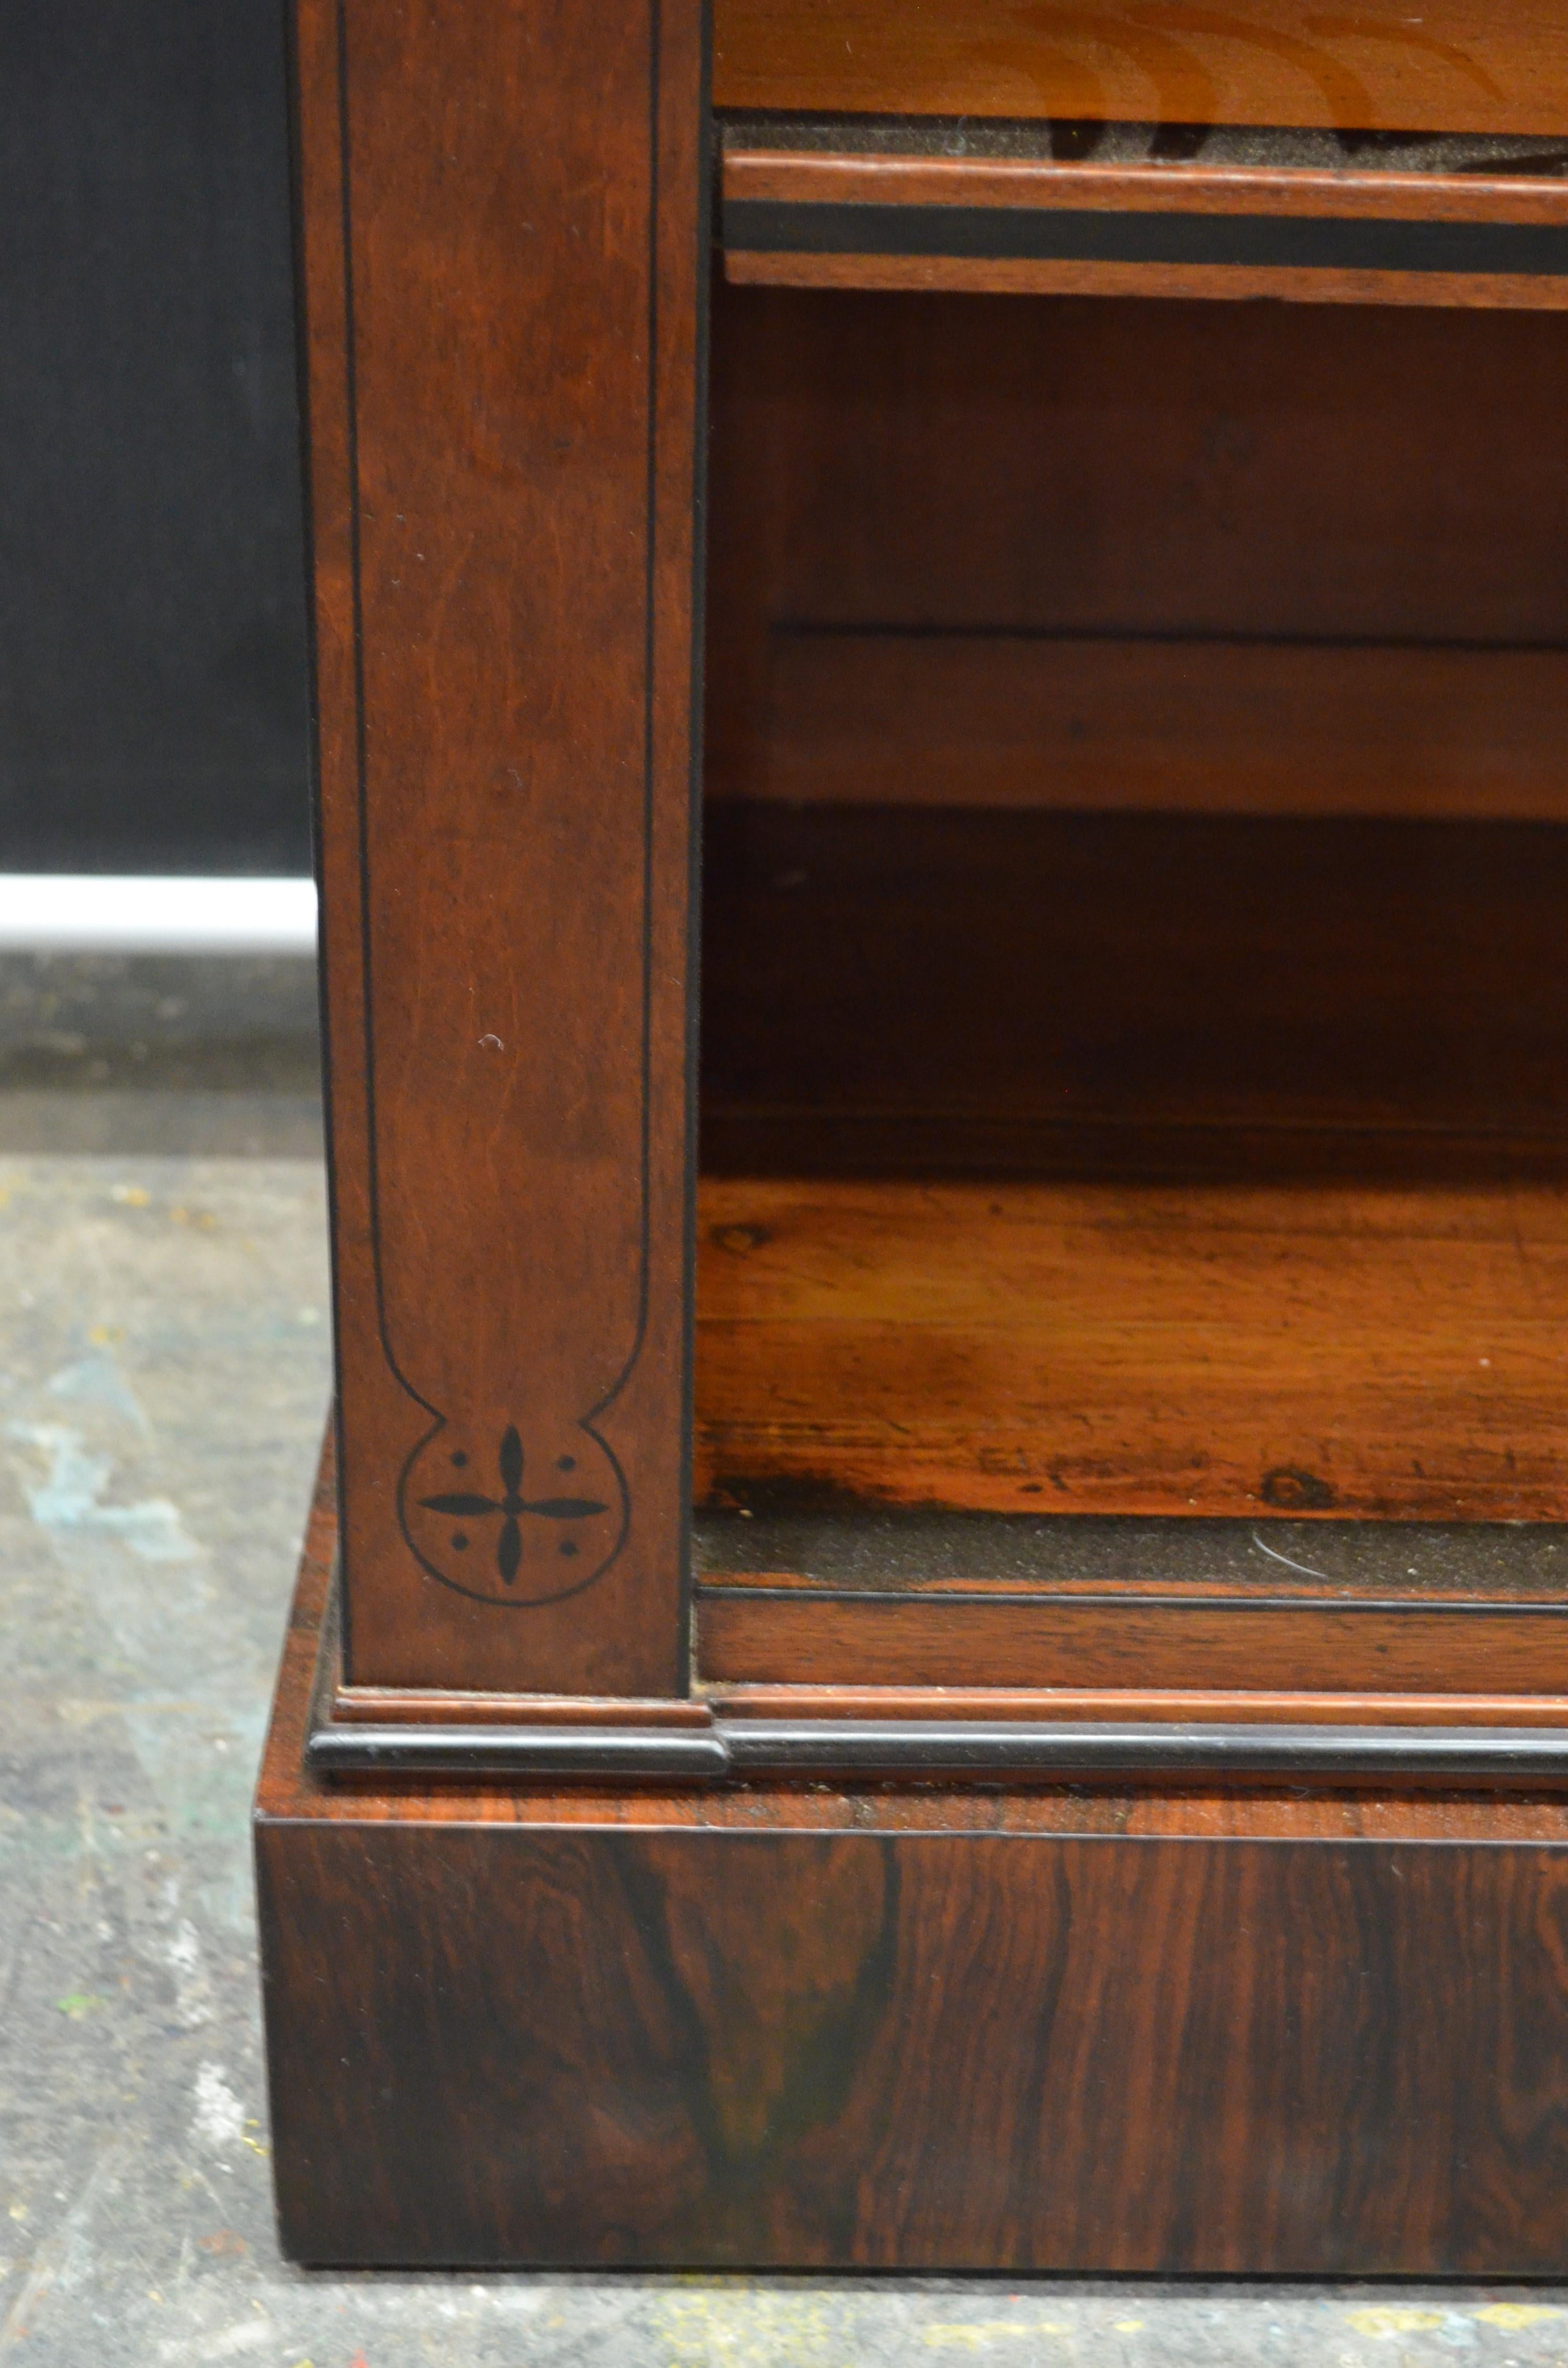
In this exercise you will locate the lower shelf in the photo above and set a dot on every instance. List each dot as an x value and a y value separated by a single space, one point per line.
806 2027
1362 1350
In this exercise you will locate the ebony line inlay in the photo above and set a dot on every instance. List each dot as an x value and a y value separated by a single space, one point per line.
1050 235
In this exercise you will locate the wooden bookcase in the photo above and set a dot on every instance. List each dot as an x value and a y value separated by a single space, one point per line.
937 1632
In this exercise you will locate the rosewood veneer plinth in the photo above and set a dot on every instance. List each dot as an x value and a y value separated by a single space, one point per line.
1209 2030
939 1635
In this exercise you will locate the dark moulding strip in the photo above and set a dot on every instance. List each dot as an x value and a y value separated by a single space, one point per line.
1041 234
919 1752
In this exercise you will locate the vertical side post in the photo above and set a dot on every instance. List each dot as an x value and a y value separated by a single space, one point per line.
503 220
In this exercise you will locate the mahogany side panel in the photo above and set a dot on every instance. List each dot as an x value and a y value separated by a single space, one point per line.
502 222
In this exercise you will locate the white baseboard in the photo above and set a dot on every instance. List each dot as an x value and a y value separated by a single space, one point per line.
94 913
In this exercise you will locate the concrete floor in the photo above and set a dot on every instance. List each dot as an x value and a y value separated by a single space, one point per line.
164 1380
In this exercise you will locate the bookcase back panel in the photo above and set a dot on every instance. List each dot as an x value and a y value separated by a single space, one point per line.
955 992
1102 552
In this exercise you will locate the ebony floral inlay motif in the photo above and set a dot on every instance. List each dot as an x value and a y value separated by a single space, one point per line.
512 1507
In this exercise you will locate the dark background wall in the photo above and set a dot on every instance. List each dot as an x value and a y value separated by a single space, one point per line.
152 704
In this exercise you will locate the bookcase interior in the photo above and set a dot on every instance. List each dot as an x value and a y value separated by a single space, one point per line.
1135 1006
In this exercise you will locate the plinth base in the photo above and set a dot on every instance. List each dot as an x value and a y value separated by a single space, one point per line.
805 2028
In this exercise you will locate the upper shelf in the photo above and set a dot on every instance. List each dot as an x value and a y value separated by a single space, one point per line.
1464 65
1446 221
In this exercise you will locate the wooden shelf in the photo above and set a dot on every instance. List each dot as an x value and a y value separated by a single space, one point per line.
1133 1166
800 217
1365 1350
1243 1364
1498 68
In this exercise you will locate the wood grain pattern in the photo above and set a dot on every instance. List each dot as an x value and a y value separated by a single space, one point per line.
503 216
1377 1352
1347 2054
621 2029
1263 62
